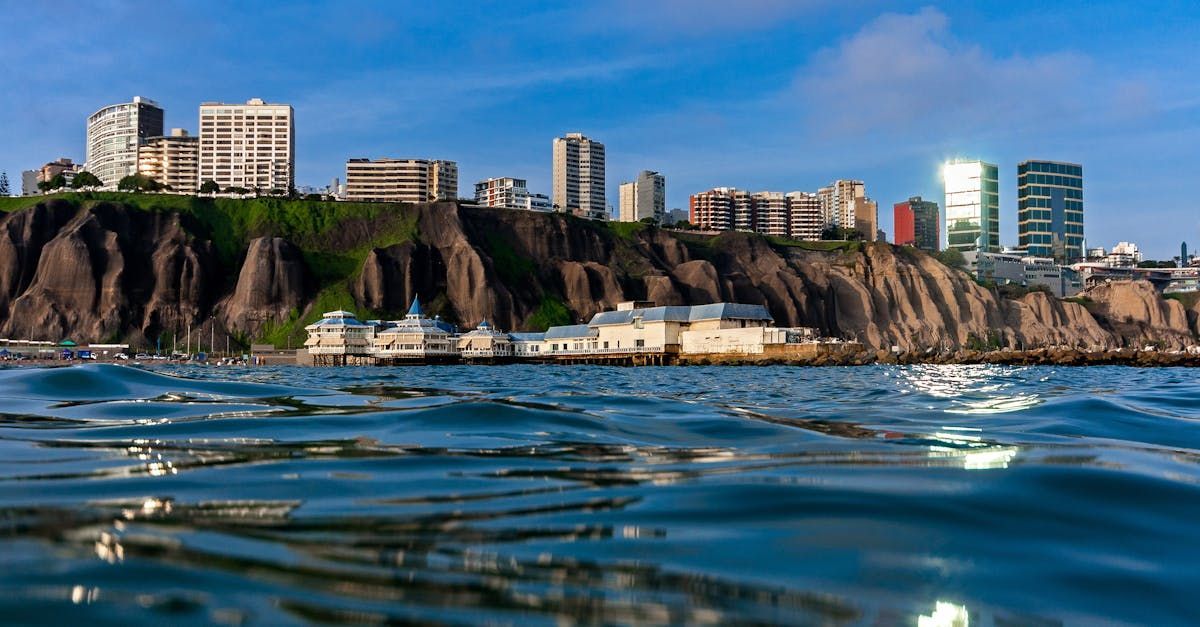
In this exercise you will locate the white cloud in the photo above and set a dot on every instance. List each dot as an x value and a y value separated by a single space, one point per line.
902 70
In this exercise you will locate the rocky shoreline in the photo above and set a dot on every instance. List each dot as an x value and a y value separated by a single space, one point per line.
1035 357
128 268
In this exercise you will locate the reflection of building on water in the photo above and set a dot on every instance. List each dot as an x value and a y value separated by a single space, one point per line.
635 333
971 451
945 615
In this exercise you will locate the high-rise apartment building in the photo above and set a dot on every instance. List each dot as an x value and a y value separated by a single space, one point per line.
114 134
713 210
772 213
250 145
794 214
578 176
29 181
1050 209
972 206
644 197
837 202
844 203
172 160
401 180
805 220
916 224
863 213
510 193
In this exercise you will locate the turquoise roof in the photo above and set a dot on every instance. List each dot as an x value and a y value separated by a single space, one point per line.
415 310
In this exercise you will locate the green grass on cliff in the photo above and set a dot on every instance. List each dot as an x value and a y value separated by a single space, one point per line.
822 246
551 312
335 237
508 263
232 222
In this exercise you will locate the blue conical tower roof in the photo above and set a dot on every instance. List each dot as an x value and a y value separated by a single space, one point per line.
415 310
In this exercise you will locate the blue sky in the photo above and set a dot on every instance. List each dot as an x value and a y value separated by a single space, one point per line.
757 94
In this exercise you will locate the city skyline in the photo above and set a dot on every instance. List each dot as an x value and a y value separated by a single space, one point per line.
493 101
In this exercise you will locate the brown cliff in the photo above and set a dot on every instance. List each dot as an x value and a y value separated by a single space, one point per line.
99 270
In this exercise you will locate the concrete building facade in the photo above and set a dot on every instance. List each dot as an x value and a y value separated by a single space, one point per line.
250 145
29 181
510 193
837 201
644 197
64 166
578 176
1050 209
114 134
401 180
793 214
805 218
712 210
916 223
172 160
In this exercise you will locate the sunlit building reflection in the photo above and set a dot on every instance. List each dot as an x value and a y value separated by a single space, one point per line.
945 615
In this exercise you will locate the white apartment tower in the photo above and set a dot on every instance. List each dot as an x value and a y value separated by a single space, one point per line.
644 197
837 201
578 176
250 145
510 193
401 180
114 134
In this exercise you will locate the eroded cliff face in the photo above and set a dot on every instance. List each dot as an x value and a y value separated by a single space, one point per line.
107 270
273 282
100 273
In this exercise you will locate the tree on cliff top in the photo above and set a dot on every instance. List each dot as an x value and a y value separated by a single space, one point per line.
209 187
953 257
86 179
58 182
138 183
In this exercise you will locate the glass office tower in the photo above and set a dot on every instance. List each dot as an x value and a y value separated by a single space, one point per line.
972 206
1050 209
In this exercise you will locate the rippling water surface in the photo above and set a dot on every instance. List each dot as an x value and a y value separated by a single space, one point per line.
533 495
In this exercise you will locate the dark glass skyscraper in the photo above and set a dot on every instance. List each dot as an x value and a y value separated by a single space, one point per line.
1050 209
916 223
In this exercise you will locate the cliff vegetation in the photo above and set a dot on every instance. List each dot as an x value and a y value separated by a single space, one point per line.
139 267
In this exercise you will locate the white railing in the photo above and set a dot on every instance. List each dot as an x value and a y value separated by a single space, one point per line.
605 351
485 352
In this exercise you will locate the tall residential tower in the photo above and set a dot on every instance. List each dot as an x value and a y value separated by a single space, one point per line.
972 206
578 176
248 145
1050 209
114 134
644 197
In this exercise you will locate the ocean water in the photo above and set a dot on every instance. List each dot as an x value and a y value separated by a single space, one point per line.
532 495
